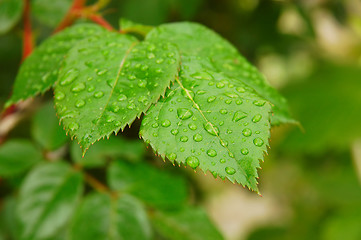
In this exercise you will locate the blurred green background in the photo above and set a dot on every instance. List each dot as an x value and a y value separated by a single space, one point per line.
311 51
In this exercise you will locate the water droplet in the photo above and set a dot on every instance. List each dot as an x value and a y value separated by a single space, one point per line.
98 94
229 131
184 139
174 131
244 151
172 156
102 72
131 106
73 126
202 75
258 142
59 96
211 99
239 102
159 61
131 77
78 87
79 103
192 161
259 103
109 119
231 95
211 153
170 54
155 125
247 132
155 134
184 113
241 89
150 55
197 137
142 83
117 123
257 118
213 130
144 67
222 160
115 109
201 92
122 97
91 88
228 101
166 123
143 99
192 126
223 111
223 143
230 170
69 77
220 85
239 115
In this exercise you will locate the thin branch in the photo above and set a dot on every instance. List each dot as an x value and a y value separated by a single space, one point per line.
72 15
28 41
101 21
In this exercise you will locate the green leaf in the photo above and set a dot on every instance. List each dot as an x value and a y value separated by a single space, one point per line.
10 13
50 14
330 114
40 70
188 223
196 40
127 26
106 82
47 198
212 122
155 187
17 156
101 217
46 130
8 222
108 149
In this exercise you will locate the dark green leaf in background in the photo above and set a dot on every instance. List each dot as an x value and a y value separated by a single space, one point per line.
108 81
17 156
155 187
101 217
46 130
10 14
108 149
188 223
40 70
47 199
50 14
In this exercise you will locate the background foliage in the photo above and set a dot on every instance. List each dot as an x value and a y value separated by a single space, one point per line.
309 50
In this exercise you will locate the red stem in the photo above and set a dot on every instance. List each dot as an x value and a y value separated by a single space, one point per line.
101 21
28 41
72 15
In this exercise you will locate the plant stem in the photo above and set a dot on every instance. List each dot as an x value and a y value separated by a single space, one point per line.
28 41
101 21
96 184
72 15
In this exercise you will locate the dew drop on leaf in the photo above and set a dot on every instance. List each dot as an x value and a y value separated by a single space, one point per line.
122 97
192 161
174 131
244 151
211 153
239 115
184 139
69 77
257 118
184 113
59 96
213 130
172 156
73 126
197 137
192 126
80 103
102 72
98 94
230 170
259 103
258 142
211 99
166 123
247 132
78 87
